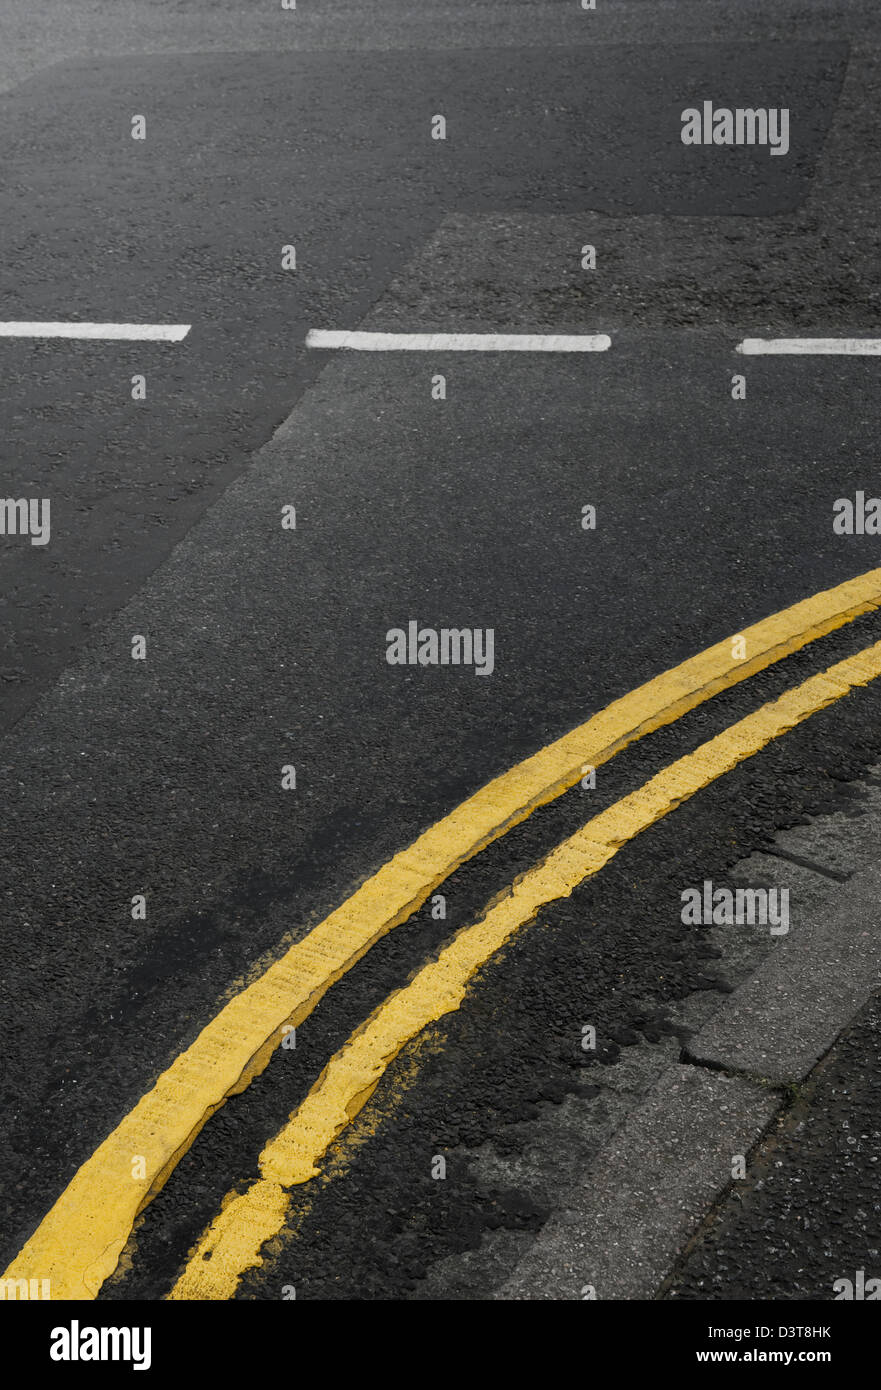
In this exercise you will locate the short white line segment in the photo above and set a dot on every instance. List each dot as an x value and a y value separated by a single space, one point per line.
459 342
844 347
135 332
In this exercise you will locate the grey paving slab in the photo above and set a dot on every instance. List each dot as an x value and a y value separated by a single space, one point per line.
642 1197
787 1016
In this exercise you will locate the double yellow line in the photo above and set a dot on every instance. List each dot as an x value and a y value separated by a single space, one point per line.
79 1242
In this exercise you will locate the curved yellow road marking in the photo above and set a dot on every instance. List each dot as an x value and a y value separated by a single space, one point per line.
233 1241
78 1243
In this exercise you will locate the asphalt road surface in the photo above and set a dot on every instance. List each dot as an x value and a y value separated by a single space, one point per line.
266 646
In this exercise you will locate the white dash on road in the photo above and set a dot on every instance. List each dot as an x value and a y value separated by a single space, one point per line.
459 342
109 332
844 347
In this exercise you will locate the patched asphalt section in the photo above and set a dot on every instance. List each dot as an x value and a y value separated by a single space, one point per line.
812 271
808 1213
34 39
331 153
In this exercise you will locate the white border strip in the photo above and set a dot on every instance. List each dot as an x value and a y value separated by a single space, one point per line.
458 342
134 332
844 347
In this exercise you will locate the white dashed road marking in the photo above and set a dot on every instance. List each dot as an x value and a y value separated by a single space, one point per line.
844 347
459 342
134 332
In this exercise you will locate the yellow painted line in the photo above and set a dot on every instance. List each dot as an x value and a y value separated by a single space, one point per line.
78 1243
233 1241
